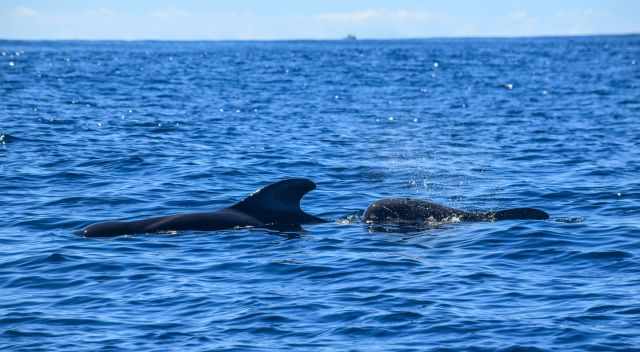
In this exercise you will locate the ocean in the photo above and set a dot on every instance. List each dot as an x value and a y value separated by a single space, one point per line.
92 131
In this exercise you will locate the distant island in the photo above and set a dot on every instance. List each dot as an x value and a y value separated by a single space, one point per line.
350 37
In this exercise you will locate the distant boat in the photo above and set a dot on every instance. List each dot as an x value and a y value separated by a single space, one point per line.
350 37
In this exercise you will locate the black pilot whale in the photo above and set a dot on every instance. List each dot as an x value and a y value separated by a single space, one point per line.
274 206
416 212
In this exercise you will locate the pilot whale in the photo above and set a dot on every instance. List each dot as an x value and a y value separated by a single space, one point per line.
416 212
275 206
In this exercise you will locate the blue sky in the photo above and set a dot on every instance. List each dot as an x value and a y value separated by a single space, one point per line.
289 19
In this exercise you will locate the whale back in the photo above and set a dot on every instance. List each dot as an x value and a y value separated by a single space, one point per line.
519 214
279 203
408 211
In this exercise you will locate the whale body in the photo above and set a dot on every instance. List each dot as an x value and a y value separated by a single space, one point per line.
277 206
416 212
274 206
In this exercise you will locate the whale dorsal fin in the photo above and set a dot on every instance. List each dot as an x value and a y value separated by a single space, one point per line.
279 203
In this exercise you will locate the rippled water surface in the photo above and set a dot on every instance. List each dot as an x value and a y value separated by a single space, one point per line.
102 130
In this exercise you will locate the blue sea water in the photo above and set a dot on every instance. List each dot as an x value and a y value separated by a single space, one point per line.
123 130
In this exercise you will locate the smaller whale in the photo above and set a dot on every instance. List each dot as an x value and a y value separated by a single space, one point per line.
275 206
416 212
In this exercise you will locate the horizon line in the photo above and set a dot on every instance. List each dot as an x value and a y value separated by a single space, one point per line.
346 38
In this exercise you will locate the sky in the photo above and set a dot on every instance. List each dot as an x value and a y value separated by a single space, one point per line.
312 19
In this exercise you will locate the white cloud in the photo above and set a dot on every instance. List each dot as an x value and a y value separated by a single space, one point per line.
22 11
519 15
169 13
101 12
518 23
582 21
356 16
374 15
